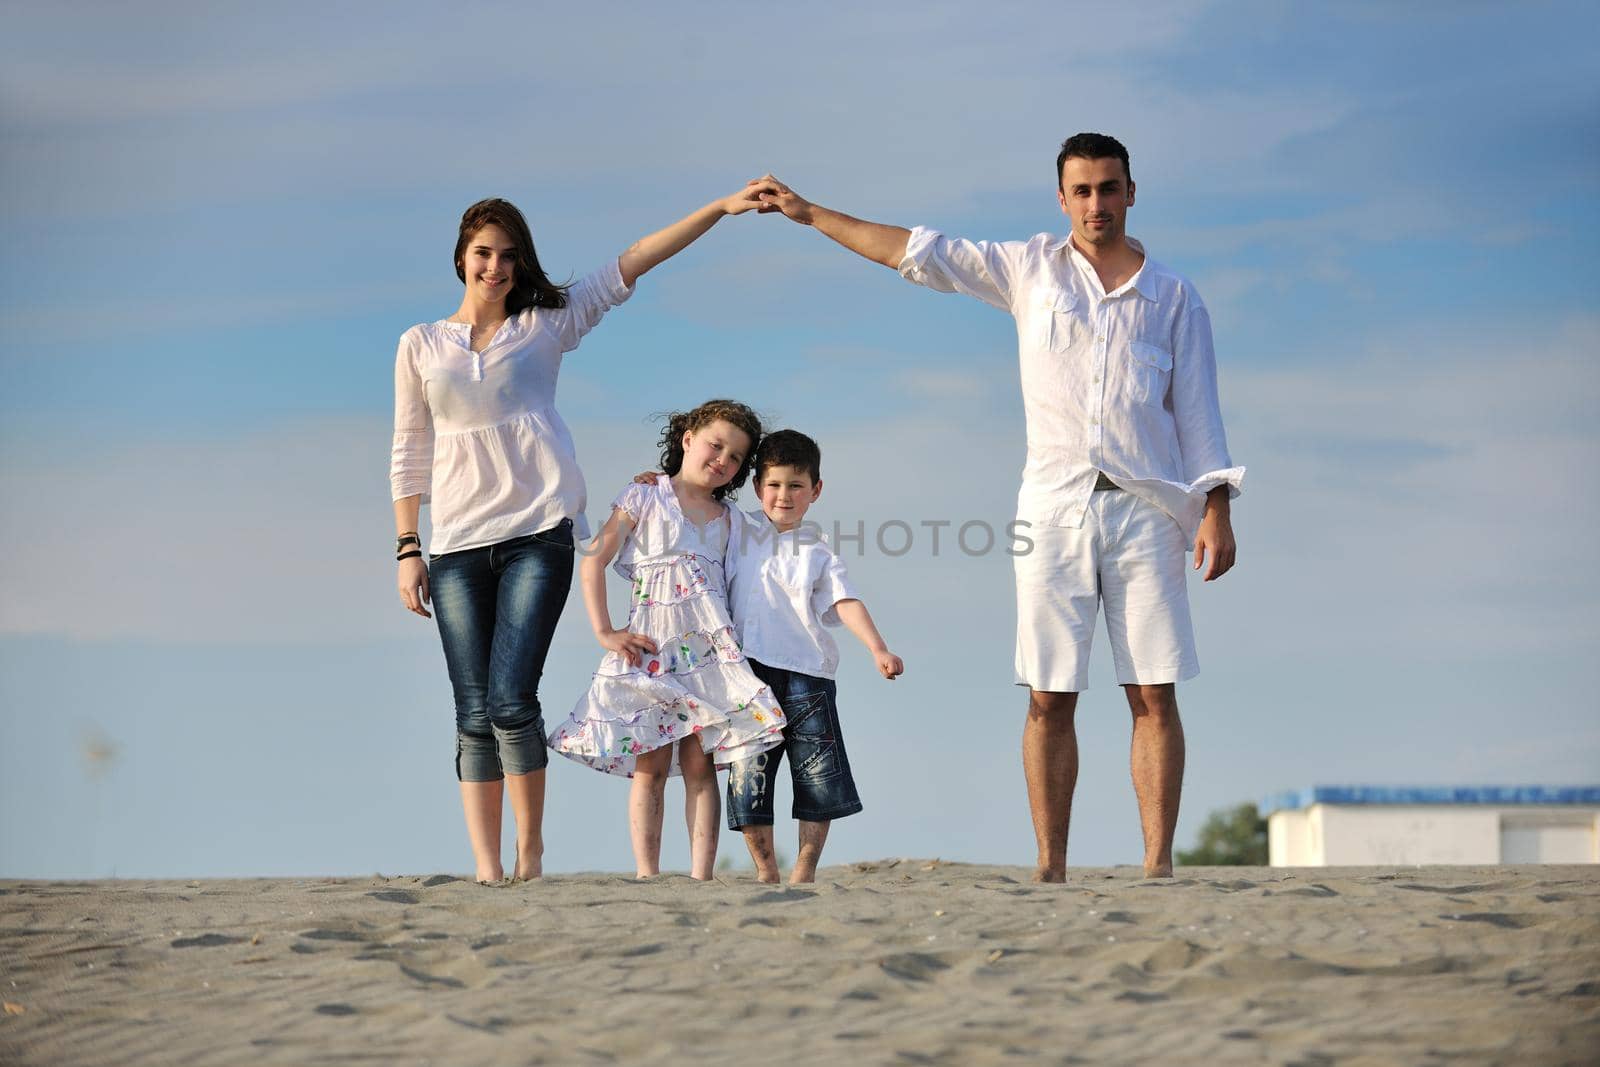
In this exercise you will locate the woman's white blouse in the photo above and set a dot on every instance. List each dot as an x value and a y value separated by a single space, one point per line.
477 434
783 590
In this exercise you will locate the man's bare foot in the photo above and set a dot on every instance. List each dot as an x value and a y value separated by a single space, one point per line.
771 877
1049 874
1160 870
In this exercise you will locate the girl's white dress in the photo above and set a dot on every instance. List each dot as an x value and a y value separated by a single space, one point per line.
699 682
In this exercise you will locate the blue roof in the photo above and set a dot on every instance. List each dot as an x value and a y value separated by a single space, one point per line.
1431 794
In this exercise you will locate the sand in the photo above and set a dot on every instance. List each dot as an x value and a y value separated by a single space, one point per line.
902 961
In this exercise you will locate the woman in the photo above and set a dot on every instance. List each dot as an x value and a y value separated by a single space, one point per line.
476 435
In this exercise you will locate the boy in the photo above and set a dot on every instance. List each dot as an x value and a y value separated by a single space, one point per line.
784 588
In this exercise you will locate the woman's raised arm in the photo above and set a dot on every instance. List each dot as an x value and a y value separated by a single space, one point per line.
662 245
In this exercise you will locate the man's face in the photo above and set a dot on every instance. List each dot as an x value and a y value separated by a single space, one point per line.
1096 194
786 493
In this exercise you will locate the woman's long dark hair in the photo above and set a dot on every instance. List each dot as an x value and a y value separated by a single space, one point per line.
729 411
531 287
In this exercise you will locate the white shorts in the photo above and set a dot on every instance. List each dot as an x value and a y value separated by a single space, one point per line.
1130 555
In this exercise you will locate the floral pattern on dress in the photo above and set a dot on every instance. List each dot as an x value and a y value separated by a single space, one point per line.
698 683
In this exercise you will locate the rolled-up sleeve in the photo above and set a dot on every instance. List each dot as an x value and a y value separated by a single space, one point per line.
831 586
411 457
1196 409
982 269
588 299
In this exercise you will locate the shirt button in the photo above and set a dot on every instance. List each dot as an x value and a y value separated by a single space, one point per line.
1102 340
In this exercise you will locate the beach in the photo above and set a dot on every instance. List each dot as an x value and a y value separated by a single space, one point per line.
899 961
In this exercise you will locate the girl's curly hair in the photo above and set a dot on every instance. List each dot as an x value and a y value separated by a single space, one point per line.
729 411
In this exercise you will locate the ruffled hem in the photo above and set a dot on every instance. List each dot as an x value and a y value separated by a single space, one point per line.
663 712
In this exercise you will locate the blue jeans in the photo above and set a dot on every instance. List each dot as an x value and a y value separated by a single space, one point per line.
497 608
819 770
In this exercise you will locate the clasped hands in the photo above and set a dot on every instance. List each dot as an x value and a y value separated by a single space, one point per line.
766 195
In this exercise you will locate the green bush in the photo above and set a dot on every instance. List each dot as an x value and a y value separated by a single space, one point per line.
1236 837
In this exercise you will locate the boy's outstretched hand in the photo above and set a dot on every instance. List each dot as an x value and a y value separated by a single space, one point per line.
890 665
646 477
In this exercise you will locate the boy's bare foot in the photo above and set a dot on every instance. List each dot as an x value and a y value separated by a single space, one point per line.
813 835
758 839
1049 874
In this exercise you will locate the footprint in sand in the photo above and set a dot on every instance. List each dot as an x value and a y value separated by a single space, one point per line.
336 935
913 966
206 941
1494 918
396 896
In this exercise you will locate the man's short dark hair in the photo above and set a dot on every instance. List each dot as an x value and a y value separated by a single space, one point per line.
789 448
1092 146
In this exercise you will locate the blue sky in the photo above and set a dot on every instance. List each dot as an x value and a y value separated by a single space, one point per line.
217 220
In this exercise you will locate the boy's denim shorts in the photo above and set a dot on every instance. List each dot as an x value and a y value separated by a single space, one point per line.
824 788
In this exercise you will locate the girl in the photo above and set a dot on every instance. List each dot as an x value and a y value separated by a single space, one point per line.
476 430
673 693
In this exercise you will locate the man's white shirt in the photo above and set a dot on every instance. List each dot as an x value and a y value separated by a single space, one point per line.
782 592
1122 382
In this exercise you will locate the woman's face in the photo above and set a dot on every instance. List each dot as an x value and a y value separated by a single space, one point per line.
490 262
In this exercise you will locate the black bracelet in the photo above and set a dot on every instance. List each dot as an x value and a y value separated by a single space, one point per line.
413 554
406 539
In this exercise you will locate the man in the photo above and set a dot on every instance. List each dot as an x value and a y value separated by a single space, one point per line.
1127 467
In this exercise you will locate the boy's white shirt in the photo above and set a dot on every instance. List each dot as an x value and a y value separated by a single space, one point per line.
782 592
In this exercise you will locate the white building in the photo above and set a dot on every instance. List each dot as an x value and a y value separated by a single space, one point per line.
1364 826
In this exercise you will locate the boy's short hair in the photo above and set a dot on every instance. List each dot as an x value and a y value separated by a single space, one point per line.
789 448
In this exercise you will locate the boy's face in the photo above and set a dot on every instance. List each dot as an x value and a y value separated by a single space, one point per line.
786 494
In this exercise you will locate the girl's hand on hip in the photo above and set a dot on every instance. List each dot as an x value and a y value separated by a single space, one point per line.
627 644
413 582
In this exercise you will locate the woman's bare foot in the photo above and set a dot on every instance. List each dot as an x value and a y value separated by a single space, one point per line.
530 863
490 875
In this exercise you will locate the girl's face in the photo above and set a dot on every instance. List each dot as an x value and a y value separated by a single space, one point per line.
490 263
713 454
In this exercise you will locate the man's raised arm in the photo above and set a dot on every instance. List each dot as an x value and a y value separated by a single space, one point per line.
877 242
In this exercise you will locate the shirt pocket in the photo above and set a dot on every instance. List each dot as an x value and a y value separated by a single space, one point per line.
1149 371
1052 311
